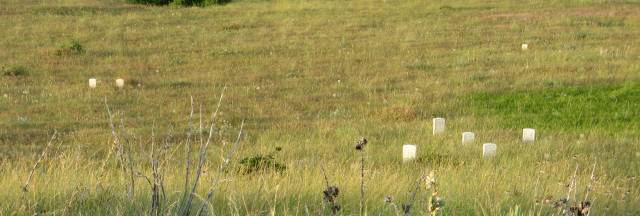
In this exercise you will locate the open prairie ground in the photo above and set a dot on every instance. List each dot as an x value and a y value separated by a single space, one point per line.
309 78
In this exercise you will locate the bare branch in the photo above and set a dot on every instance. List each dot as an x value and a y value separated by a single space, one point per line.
227 158
186 208
324 173
44 152
200 127
116 139
224 164
573 182
132 181
591 180
117 144
188 160
155 195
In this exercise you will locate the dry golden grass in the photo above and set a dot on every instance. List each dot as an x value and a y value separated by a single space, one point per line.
310 77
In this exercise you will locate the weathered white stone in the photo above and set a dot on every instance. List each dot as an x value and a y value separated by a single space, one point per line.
438 126
468 137
409 152
119 83
92 83
489 150
528 135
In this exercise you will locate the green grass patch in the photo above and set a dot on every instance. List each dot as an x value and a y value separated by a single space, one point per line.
73 47
572 107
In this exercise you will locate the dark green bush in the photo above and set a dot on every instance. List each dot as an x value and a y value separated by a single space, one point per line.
262 163
72 48
15 71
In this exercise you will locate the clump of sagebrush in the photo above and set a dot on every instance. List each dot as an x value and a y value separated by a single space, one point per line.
186 202
262 163
74 47
160 157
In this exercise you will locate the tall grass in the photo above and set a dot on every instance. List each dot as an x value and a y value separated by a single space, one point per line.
309 77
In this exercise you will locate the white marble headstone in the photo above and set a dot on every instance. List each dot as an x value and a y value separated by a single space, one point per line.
528 135
409 152
92 83
489 150
438 126
468 137
120 83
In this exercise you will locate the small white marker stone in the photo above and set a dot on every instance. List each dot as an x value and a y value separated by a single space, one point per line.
468 137
525 46
92 83
119 83
528 135
409 152
489 150
438 126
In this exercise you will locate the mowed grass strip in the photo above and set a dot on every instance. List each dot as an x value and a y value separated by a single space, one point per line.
603 107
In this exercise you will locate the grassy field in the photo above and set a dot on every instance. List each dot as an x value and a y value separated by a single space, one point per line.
311 77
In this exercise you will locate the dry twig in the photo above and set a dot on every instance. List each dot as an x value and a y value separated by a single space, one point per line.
224 164
25 187
186 207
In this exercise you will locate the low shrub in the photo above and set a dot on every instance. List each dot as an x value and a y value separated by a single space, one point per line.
73 47
261 163
15 71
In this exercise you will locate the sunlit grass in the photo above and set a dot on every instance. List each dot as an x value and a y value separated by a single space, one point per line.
311 77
